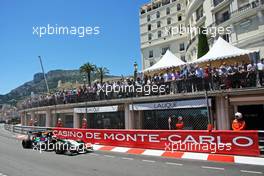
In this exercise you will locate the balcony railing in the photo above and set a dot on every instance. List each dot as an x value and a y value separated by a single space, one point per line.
248 6
216 2
241 9
152 6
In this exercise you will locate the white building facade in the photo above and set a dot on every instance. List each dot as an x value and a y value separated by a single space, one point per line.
156 21
243 18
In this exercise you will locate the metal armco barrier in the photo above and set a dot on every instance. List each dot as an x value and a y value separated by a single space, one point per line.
22 129
7 127
25 129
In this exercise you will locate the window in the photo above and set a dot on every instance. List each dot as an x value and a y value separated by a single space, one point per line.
169 21
181 28
183 58
226 15
150 53
179 18
158 14
150 37
168 11
182 47
151 63
159 34
168 31
163 50
178 7
149 27
222 17
148 18
158 24
226 37
199 13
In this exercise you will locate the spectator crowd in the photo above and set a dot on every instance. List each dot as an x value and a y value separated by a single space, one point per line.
189 78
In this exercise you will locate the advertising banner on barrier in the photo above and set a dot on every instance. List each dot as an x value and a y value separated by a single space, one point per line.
222 142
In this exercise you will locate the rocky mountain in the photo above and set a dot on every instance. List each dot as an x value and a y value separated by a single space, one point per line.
37 85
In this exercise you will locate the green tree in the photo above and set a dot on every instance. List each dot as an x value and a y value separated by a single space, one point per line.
101 72
88 69
203 46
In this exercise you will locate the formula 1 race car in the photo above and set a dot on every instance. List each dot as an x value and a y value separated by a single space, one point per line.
71 147
38 139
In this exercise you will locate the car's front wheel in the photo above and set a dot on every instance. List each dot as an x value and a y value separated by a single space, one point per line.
59 148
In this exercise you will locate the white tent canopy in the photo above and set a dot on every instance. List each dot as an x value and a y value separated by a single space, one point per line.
222 50
167 61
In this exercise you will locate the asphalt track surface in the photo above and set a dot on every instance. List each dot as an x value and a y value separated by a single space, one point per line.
16 161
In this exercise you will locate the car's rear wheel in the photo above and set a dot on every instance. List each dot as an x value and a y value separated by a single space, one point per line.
26 144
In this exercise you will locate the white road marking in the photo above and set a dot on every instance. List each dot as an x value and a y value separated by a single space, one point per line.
109 156
124 158
149 161
175 164
215 168
94 154
252 172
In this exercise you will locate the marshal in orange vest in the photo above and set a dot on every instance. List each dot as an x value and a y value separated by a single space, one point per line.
238 123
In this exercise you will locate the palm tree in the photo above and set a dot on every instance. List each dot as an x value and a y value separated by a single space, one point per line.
88 69
101 72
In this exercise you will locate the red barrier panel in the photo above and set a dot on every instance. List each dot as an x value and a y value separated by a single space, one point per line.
222 142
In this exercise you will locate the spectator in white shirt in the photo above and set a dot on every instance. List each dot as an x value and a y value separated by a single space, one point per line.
260 67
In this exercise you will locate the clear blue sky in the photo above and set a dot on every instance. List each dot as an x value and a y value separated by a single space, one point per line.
116 47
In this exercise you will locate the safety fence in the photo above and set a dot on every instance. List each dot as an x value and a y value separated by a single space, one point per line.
261 142
193 119
242 143
186 84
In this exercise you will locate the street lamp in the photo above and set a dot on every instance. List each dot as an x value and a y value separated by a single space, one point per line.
135 70
86 113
